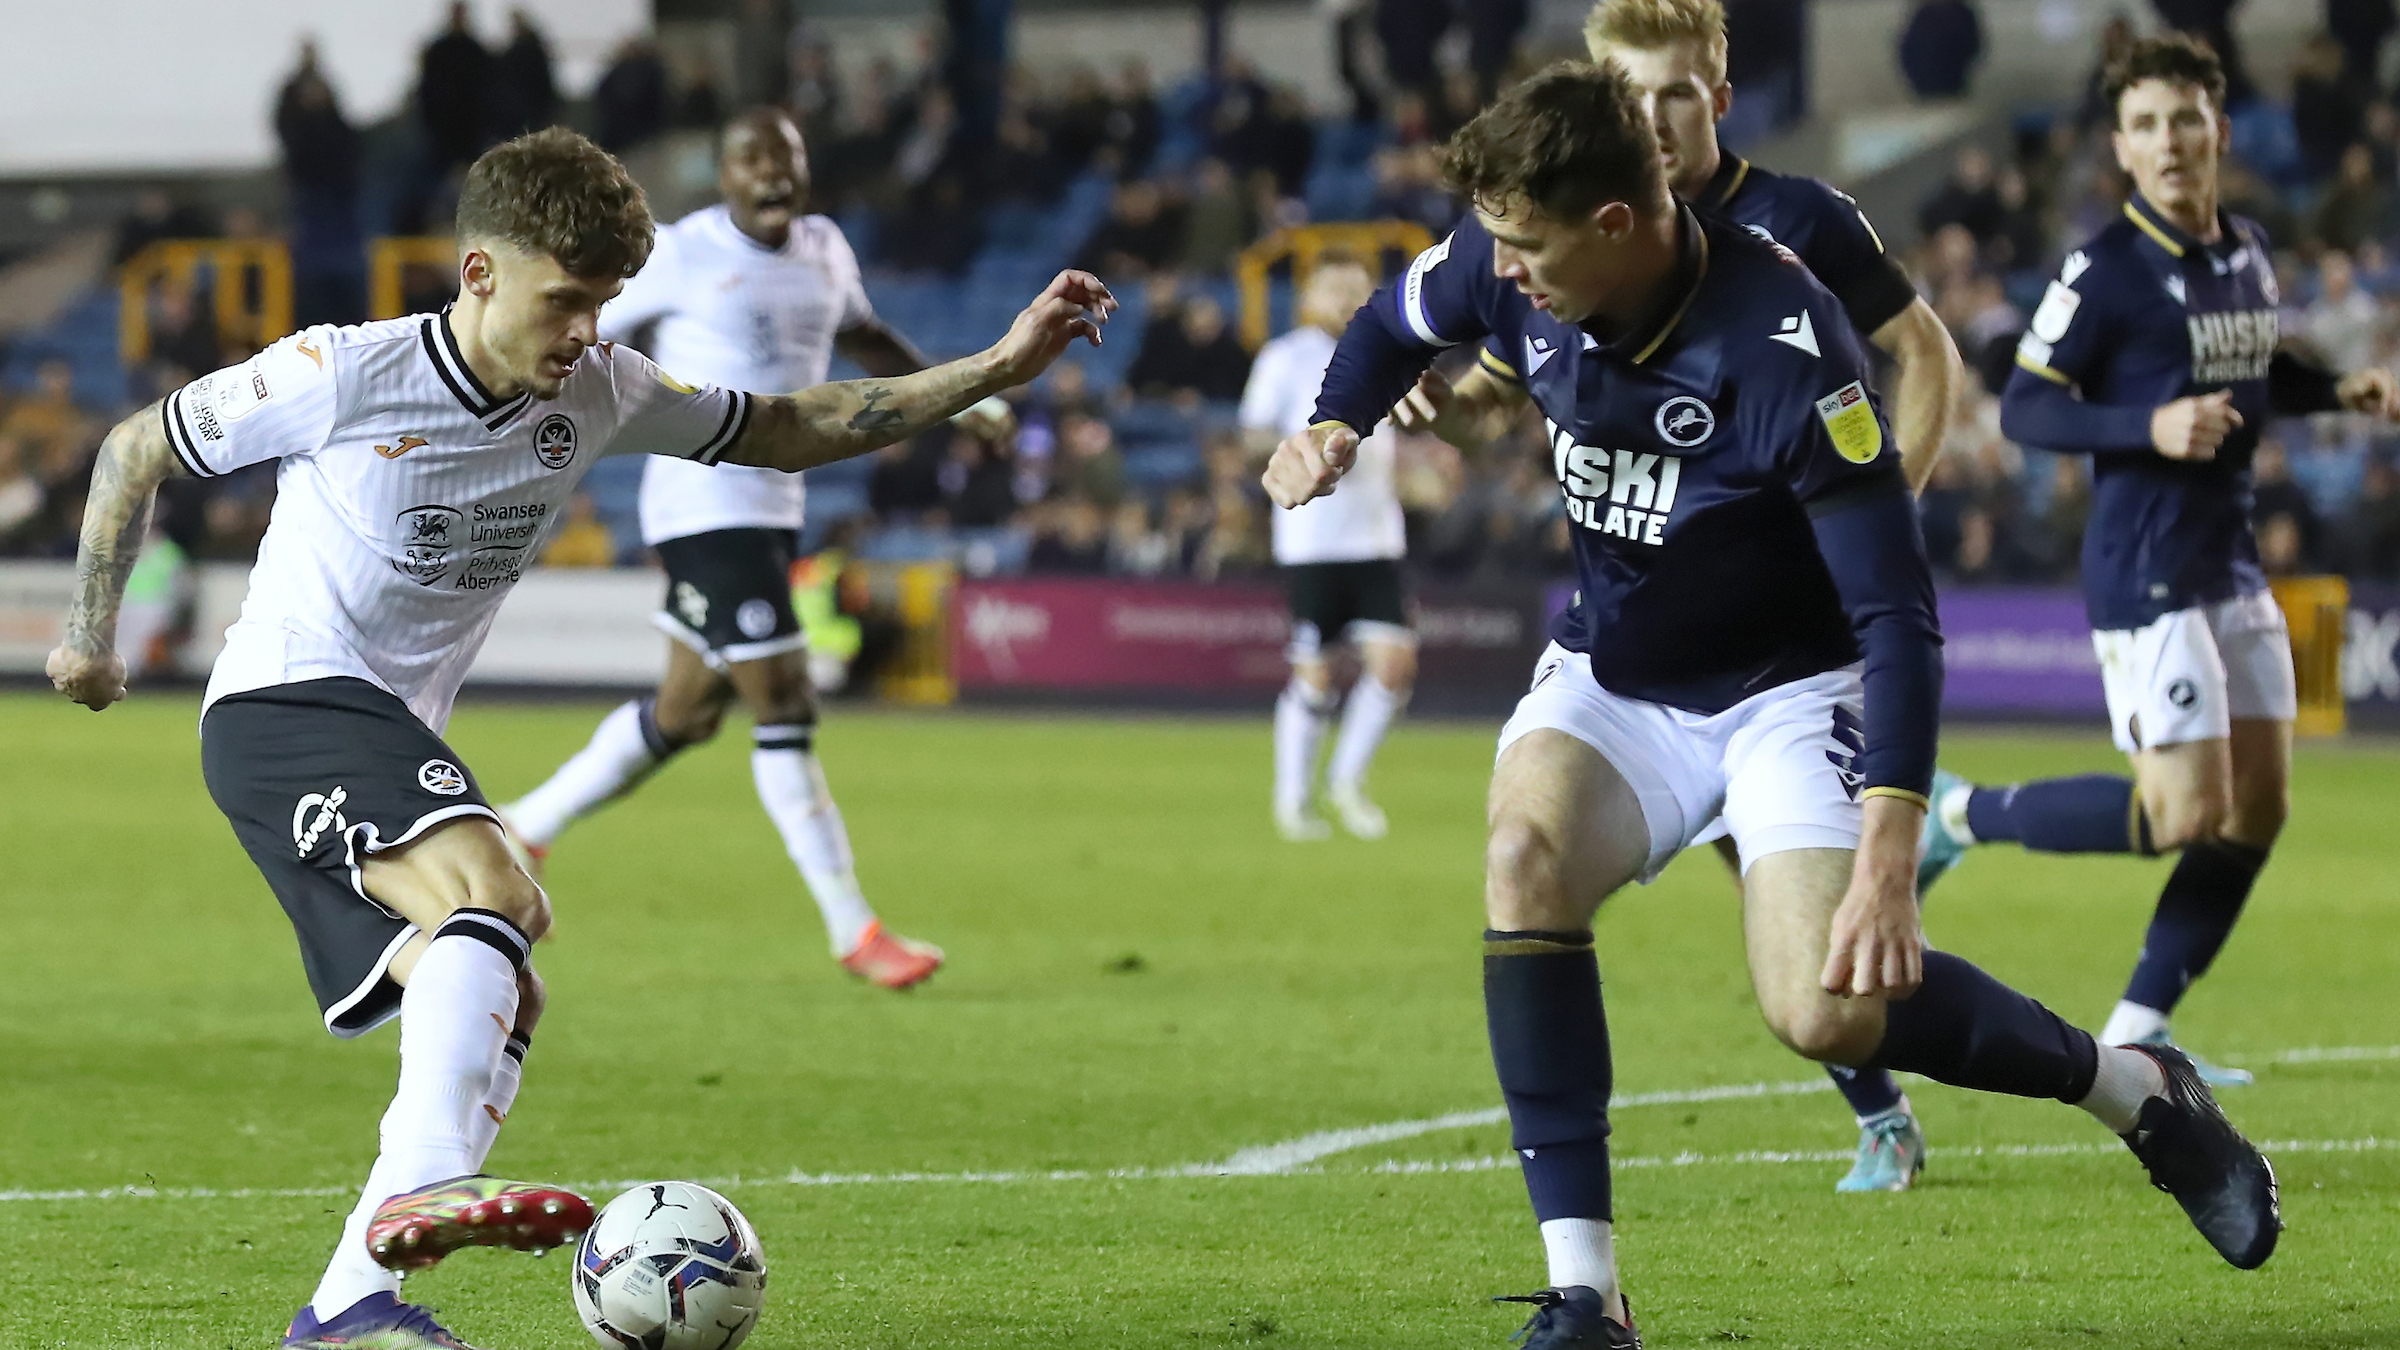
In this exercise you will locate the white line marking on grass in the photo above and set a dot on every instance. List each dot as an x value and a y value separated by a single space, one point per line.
1296 1155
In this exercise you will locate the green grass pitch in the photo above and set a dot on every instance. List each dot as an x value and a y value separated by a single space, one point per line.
1142 979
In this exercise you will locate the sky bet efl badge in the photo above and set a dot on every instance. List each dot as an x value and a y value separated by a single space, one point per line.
1850 419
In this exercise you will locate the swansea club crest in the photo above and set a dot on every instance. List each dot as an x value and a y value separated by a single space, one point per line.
554 441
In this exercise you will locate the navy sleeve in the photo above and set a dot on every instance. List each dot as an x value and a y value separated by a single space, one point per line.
1872 546
2039 412
1847 255
2296 385
1437 303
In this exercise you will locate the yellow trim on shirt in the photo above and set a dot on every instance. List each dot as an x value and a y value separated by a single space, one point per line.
2055 377
1917 798
2153 231
1499 367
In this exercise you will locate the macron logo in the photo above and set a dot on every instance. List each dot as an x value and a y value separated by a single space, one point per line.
1538 352
1800 332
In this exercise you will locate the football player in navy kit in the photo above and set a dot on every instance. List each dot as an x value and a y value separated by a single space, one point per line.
1673 51
1754 637
2157 352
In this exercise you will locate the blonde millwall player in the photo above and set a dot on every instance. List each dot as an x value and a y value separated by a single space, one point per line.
1673 52
421 462
750 294
1341 561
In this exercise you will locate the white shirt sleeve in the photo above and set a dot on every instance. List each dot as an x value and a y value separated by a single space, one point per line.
278 403
1262 396
843 264
649 294
656 415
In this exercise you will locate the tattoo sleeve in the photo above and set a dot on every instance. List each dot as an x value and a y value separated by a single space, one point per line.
133 461
838 421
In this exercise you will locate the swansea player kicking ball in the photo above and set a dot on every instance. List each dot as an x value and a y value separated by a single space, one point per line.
1754 638
2157 352
750 294
320 736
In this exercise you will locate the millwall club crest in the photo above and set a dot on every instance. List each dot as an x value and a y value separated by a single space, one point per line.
1684 421
554 441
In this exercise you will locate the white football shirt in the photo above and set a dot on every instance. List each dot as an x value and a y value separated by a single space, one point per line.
408 500
729 311
1360 520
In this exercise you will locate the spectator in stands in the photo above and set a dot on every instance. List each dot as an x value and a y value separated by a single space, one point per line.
977 483
2095 110
2211 21
1021 167
1088 463
1071 539
454 94
524 93
630 102
2367 537
183 334
1140 236
902 485
1136 547
583 539
1219 222
48 435
1189 356
2243 193
763 55
1408 186
1493 27
697 106
2356 208
2277 497
1078 124
2361 27
1766 46
2343 321
938 230
928 147
1135 122
157 216
320 171
1969 199
1410 31
815 88
2329 112
2022 237
1940 47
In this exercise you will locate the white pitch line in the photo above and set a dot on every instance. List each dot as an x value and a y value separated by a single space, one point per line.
1291 1156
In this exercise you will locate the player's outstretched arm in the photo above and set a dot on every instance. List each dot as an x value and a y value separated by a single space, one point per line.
1931 377
133 461
838 421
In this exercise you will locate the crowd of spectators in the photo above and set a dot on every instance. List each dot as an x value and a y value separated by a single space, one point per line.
1192 180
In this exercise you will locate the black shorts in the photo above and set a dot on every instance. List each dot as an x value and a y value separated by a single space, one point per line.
316 776
729 595
1337 602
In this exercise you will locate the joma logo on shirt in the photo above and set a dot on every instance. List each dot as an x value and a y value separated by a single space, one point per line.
2232 345
1620 492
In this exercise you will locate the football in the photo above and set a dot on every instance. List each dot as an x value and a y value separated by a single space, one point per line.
670 1266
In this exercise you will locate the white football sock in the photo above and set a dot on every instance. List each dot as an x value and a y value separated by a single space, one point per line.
2132 1022
2127 1078
1301 715
1368 714
791 785
1894 1112
506 1076
1952 808
1582 1251
620 755
454 1017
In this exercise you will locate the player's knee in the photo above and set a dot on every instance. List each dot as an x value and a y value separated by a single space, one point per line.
2181 818
692 725
515 896
2258 814
1395 668
1829 1030
1524 885
785 702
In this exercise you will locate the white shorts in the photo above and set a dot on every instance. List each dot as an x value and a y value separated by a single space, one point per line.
1780 766
2185 676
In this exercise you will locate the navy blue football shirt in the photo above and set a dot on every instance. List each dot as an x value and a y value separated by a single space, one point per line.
2140 316
1739 519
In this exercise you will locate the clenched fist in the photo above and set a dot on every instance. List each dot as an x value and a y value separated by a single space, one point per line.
2193 428
1308 463
94 679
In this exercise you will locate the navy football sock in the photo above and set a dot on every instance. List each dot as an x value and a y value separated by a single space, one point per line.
1541 1002
2095 813
1964 1028
2196 910
1870 1092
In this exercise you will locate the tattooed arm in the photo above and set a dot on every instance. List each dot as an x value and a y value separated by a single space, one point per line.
837 421
133 461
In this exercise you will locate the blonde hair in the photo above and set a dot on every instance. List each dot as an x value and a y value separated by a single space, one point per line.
1647 25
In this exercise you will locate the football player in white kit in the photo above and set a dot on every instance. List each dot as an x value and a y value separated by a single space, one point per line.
422 461
1340 557
749 294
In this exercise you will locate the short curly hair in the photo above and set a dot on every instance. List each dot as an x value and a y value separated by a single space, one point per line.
2177 58
1566 140
555 193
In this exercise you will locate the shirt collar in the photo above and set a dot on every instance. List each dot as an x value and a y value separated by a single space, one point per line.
449 362
1643 340
2166 235
1732 172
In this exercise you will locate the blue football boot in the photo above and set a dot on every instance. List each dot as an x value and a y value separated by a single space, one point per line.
380 1321
1891 1151
1572 1319
2215 1075
1938 850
